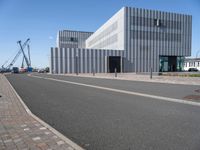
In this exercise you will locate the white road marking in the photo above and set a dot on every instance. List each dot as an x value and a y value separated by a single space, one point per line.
123 91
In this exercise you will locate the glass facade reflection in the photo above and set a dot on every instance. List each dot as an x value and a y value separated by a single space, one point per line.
171 63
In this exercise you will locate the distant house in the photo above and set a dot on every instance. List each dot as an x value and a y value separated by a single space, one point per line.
192 63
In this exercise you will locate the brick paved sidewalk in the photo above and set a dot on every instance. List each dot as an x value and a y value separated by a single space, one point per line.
19 130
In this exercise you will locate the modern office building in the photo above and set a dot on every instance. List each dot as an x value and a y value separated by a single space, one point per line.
133 40
72 39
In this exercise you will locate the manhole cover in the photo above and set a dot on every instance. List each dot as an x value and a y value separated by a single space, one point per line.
192 97
197 90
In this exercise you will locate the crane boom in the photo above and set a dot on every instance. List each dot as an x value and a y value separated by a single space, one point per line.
22 49
17 55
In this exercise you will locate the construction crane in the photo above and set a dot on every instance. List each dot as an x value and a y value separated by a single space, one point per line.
29 57
25 57
21 50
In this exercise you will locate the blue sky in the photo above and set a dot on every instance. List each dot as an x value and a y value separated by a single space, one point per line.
40 20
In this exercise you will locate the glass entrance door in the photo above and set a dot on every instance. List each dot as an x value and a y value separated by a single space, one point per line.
163 63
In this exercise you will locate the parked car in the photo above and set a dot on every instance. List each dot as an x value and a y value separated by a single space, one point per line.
15 70
41 71
193 70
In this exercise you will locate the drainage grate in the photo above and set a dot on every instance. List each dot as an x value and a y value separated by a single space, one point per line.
192 97
0 96
198 91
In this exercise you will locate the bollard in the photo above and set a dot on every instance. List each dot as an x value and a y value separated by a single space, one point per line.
115 72
93 72
151 74
76 65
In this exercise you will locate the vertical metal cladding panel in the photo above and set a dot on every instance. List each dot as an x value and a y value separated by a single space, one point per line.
65 55
74 58
187 39
92 60
85 61
151 41
128 33
157 43
186 33
178 33
63 63
164 46
145 42
99 53
95 61
89 61
172 40
185 29
81 61
182 34
61 60
154 45
68 61
171 24
56 60
175 35
84 64
190 40
134 47
148 41
51 61
161 34
139 42
104 61
71 60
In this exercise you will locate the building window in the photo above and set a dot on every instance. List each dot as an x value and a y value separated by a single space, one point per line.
157 22
185 64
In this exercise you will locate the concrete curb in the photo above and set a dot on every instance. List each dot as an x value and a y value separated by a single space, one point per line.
60 135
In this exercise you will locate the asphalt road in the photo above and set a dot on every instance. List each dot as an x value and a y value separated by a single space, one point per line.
103 120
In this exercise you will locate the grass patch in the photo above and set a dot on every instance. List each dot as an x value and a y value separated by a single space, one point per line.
194 75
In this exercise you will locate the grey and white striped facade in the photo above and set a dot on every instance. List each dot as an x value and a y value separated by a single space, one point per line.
72 39
141 37
73 60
